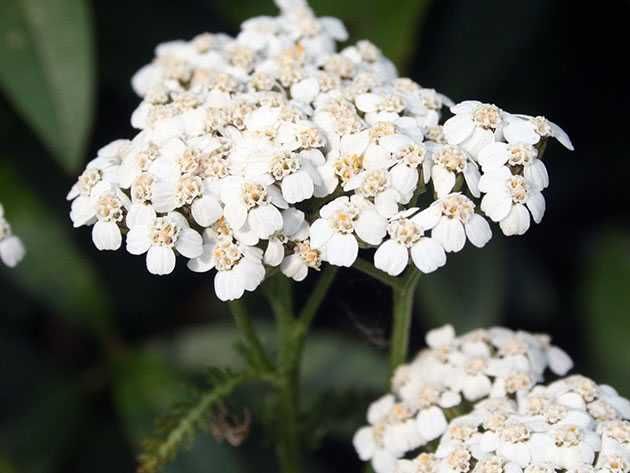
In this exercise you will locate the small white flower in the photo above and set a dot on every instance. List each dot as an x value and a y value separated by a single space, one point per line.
526 129
297 173
11 247
408 160
449 162
342 219
507 198
517 155
376 185
110 208
294 229
159 237
452 219
407 238
474 125
253 202
180 181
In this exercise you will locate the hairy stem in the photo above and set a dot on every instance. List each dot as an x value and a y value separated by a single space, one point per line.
402 312
292 333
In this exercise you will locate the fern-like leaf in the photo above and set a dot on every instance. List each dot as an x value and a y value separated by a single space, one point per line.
178 429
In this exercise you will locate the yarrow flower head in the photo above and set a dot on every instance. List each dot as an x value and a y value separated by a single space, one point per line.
496 364
11 247
277 148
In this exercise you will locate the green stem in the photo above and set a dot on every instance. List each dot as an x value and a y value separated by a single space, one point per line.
402 313
279 294
292 333
368 268
248 332
309 310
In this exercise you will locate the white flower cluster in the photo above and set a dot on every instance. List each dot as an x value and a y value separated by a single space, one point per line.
11 248
275 149
447 377
572 425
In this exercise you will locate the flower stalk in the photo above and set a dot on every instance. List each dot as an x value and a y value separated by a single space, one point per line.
402 313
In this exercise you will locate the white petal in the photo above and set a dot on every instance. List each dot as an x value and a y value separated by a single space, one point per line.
450 234
428 255
11 251
493 155
364 443
458 128
478 231
189 243
497 206
559 362
306 90
476 387
203 263
292 221
443 181
274 253
355 143
478 141
251 271
536 205
235 214
404 179
472 176
265 220
561 135
342 250
440 337
138 241
160 260
379 409
431 423
537 174
371 227
386 202
106 236
228 285
297 187
140 214
321 232
206 210
520 131
368 102
293 267
516 222
429 217
391 257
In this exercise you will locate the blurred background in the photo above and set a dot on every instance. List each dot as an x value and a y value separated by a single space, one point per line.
92 347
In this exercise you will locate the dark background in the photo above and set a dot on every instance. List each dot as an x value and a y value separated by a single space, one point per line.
92 346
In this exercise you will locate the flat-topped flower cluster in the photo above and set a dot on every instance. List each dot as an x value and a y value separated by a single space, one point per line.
11 247
474 403
276 149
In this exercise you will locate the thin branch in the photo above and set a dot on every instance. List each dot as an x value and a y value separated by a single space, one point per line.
368 268
317 296
248 332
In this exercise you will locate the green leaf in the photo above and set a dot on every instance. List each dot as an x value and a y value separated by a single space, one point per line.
393 28
46 52
148 391
468 292
606 299
53 272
